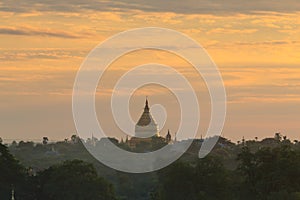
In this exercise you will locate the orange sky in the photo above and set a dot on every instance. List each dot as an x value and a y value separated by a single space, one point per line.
256 47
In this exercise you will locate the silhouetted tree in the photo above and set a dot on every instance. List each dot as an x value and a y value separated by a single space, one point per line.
25 145
278 136
271 171
284 137
45 140
14 144
207 179
73 180
74 139
12 174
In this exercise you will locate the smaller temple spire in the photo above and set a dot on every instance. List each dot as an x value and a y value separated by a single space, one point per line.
168 137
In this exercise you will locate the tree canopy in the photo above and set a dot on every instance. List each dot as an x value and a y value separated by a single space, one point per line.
71 180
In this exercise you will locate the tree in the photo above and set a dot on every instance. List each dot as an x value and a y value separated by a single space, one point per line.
25 145
278 137
207 179
14 144
211 179
169 179
12 175
45 140
74 139
271 171
73 180
284 137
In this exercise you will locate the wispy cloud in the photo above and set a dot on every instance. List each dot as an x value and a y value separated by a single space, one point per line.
41 54
24 31
270 43
176 6
232 31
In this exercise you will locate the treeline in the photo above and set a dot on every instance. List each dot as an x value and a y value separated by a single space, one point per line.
251 169
70 180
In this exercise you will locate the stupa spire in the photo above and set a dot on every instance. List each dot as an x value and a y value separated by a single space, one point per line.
146 109
146 125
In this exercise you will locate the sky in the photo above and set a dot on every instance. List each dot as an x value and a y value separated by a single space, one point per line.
255 44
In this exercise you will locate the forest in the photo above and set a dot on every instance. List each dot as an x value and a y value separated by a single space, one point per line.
266 169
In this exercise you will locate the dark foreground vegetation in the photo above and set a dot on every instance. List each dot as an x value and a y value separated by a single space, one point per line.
69 180
262 170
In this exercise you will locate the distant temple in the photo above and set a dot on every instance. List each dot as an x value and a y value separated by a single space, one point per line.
147 130
146 126
146 135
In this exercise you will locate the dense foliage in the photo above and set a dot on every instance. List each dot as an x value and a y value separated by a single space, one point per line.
205 179
12 174
267 174
261 170
270 173
71 180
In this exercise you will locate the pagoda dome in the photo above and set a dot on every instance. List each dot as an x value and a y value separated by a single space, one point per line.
146 125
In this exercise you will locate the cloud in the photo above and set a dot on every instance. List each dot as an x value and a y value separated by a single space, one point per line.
251 44
176 6
267 99
36 82
25 31
41 54
232 31
270 43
